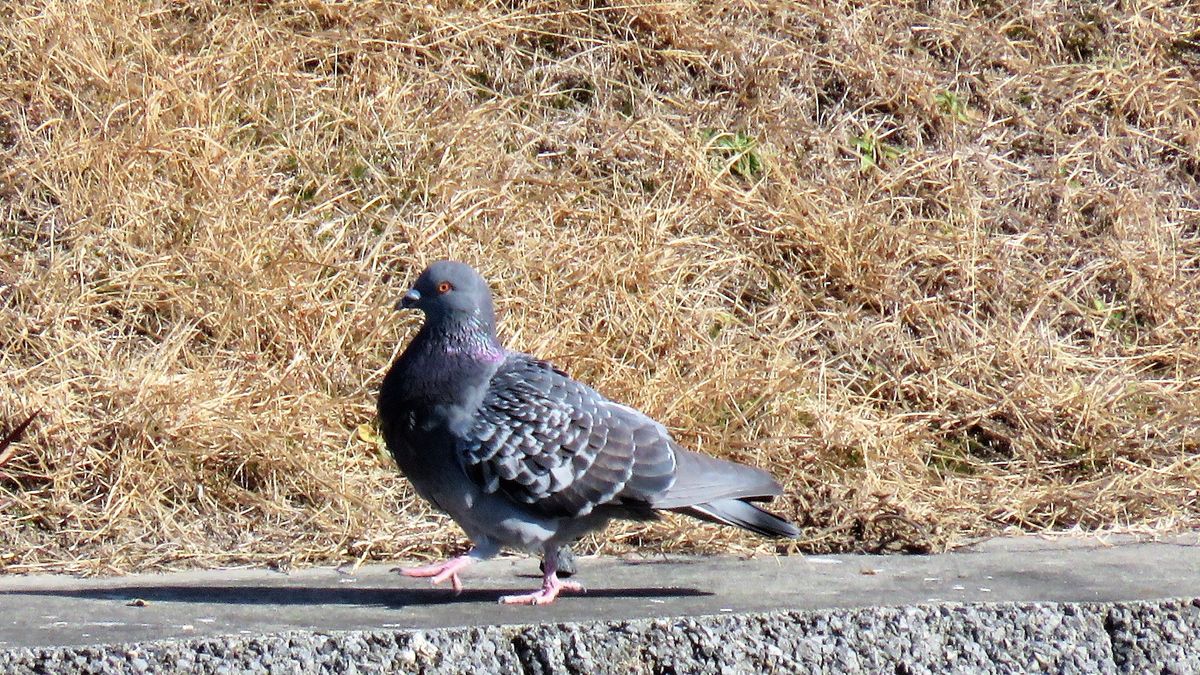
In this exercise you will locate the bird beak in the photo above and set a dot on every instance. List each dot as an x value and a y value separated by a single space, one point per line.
410 299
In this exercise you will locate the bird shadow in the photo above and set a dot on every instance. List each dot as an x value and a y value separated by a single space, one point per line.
394 598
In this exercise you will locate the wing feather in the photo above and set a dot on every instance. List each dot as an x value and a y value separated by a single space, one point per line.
555 444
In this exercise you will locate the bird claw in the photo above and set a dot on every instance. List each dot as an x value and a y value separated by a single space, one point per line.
440 571
549 591
455 582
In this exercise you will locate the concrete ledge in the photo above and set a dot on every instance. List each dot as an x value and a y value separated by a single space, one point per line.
1006 637
1011 605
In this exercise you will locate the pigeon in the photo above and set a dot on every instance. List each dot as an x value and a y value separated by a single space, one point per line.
524 457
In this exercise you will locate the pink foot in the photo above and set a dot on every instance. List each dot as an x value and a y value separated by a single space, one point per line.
551 586
441 571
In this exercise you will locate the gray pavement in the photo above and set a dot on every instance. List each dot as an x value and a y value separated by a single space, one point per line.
1029 576
61 610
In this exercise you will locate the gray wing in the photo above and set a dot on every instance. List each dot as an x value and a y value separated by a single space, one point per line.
557 445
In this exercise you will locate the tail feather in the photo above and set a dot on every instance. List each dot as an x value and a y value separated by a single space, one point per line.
700 478
741 514
720 491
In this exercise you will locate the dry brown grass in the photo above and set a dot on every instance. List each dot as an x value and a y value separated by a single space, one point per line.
207 208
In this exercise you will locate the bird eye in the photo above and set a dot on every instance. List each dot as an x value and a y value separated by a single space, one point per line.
444 287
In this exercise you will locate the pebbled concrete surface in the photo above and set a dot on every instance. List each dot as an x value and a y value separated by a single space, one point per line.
1010 605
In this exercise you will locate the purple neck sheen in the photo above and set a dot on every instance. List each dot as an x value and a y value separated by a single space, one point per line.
470 338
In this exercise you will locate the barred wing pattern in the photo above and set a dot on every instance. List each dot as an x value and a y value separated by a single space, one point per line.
546 440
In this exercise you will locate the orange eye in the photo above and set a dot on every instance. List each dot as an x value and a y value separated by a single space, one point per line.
444 287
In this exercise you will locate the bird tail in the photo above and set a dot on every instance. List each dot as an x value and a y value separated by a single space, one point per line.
742 514
720 491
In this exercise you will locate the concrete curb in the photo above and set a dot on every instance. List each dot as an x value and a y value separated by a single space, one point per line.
1029 604
1122 637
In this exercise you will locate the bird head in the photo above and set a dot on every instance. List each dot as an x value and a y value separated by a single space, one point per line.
451 294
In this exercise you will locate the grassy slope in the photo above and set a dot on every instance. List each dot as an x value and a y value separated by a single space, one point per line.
962 295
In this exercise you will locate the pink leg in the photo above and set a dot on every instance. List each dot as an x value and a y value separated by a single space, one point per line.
551 586
441 571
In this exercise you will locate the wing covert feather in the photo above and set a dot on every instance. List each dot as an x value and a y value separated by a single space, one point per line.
555 444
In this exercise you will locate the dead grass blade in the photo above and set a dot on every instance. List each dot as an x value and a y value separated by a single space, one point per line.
13 436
